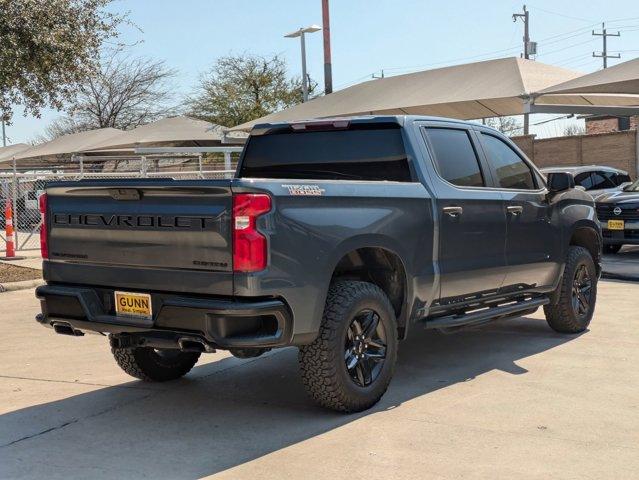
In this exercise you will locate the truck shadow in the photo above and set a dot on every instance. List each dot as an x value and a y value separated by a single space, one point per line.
230 412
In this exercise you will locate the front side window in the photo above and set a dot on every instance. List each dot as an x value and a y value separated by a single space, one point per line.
511 170
455 157
622 178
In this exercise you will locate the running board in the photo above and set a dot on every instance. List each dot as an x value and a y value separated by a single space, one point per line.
486 315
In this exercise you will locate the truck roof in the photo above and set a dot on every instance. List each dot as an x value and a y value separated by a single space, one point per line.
398 119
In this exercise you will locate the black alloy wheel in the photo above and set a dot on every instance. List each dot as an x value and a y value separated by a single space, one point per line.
365 348
581 291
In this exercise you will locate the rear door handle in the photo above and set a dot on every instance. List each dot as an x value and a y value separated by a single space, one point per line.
453 211
515 209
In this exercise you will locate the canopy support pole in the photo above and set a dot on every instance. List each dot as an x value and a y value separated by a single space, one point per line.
143 166
227 160
637 151
199 165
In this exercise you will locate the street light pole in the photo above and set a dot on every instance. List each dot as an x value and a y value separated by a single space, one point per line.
301 33
304 81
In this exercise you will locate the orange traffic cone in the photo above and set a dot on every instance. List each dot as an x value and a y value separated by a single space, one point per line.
9 233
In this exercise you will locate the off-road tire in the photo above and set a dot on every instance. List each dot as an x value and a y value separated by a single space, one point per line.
322 364
561 315
146 364
611 249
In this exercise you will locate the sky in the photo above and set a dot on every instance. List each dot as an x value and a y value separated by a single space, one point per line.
367 36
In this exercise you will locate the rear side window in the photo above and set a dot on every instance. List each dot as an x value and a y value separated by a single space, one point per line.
600 180
511 170
455 157
361 153
584 180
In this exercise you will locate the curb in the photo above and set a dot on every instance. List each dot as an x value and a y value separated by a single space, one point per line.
26 284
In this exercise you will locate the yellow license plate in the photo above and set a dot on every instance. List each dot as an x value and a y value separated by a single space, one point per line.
616 224
133 304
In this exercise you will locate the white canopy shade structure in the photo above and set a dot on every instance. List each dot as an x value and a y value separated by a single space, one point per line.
171 132
53 151
7 153
607 84
622 78
475 90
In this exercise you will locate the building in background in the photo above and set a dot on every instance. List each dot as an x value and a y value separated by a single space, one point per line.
610 123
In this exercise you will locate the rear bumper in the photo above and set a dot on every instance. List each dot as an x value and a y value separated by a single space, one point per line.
219 322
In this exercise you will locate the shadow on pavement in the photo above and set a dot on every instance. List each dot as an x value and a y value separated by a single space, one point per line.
623 265
229 412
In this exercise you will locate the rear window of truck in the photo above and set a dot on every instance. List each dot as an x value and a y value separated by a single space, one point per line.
355 154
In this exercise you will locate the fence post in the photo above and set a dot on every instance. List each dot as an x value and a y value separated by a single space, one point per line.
199 165
14 198
143 166
227 160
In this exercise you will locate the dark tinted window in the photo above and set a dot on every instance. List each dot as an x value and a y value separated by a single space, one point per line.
584 180
358 154
601 180
511 170
455 157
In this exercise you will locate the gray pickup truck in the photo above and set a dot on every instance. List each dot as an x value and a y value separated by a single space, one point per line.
337 236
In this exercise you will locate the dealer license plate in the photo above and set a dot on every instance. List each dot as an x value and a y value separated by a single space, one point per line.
616 225
133 304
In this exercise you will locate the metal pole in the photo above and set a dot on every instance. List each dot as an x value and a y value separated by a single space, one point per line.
14 200
326 32
604 53
227 160
199 164
526 33
637 151
4 135
304 84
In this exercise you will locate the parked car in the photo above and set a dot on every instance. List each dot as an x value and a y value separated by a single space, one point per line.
595 179
618 214
336 236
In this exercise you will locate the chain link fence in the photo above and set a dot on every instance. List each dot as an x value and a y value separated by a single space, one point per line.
23 188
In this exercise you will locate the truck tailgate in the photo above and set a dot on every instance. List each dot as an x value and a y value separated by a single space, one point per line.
128 225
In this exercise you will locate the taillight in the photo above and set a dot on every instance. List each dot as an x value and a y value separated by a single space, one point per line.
44 247
249 245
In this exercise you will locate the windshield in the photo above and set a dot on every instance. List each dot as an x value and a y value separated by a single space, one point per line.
633 187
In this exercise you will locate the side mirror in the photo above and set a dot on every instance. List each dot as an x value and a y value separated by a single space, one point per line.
560 182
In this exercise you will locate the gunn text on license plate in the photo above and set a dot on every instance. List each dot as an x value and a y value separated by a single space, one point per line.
616 224
133 304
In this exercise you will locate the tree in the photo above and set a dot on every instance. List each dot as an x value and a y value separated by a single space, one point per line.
124 93
47 48
506 125
574 129
240 88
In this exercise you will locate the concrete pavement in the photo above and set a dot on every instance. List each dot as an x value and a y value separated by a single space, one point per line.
624 264
510 399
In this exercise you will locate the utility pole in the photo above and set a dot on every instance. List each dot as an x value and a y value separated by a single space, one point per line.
525 16
529 47
328 67
604 53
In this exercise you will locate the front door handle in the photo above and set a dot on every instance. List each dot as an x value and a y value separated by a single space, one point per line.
515 209
453 211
